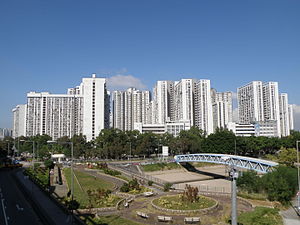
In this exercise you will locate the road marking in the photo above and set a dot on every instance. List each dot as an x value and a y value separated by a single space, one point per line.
19 208
4 213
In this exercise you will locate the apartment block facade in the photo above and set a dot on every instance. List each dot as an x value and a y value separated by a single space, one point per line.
261 103
83 110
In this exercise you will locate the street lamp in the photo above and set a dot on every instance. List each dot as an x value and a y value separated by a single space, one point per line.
72 172
298 194
233 175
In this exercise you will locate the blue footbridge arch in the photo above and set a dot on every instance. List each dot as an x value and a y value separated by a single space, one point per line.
258 165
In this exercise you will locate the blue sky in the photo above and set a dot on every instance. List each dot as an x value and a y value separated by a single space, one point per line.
51 45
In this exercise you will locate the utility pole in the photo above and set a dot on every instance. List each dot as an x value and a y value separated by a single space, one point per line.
233 176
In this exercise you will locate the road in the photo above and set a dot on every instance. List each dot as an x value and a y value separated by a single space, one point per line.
14 208
290 216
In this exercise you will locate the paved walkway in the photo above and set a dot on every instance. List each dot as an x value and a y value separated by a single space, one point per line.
60 189
50 210
290 216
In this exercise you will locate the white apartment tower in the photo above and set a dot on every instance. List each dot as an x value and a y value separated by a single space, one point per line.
291 117
222 108
184 100
163 98
250 102
271 104
19 121
129 107
262 104
95 106
56 115
284 115
83 110
118 110
203 106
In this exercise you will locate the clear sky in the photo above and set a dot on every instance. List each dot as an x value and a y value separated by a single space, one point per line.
51 45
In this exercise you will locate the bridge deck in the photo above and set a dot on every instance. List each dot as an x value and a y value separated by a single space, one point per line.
258 165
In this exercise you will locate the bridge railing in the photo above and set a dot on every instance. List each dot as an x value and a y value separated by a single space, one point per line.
258 165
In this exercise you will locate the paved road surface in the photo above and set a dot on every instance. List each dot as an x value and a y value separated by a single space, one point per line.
290 216
14 208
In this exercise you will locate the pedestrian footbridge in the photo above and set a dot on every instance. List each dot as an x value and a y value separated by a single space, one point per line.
258 165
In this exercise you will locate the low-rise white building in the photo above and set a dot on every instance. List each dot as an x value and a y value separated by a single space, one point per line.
173 128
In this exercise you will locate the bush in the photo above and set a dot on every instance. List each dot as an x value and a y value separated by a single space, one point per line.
249 182
132 185
49 163
150 182
125 188
167 187
36 165
261 215
111 172
279 185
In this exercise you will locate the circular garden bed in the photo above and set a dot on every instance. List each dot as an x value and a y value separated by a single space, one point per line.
175 203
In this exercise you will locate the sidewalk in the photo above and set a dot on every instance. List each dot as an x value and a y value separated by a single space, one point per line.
60 189
290 216
50 210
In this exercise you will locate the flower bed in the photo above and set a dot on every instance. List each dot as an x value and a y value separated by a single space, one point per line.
174 203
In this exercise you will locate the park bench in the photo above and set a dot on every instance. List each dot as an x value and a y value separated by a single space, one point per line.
164 218
143 215
191 220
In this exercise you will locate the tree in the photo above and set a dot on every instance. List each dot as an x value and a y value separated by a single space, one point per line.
222 141
49 164
190 194
287 156
249 181
281 184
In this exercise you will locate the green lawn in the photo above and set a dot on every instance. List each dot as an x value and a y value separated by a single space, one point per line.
160 166
261 215
89 182
175 202
111 220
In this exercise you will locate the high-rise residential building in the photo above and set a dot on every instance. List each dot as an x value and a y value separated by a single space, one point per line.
184 100
163 99
83 110
95 106
291 117
250 102
222 108
284 114
260 103
129 107
271 104
6 132
56 115
118 110
203 106
19 121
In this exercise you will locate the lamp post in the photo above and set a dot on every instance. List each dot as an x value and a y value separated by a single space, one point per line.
233 175
298 194
72 172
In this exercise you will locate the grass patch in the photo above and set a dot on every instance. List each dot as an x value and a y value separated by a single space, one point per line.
253 196
160 166
111 220
261 215
175 202
89 182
